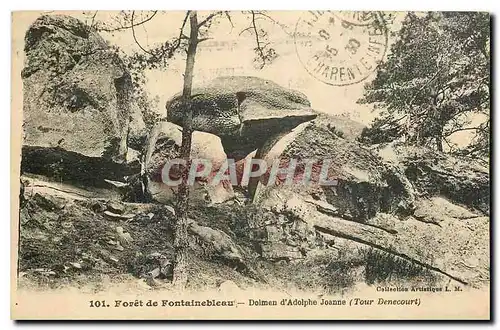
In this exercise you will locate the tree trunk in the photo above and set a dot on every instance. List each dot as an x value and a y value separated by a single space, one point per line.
439 140
439 123
181 235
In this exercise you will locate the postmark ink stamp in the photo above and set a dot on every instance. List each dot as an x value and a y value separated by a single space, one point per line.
340 48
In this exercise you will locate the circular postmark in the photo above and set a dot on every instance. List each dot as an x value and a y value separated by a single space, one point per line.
357 17
341 48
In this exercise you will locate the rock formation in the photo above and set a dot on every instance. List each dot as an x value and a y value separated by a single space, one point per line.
163 144
77 102
365 185
243 111
420 207
437 174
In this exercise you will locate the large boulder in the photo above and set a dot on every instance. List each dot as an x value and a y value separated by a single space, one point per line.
163 144
77 95
364 185
243 111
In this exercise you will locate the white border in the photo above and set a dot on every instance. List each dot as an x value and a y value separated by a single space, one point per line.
5 30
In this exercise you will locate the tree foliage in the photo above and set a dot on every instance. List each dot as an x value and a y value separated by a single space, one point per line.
434 83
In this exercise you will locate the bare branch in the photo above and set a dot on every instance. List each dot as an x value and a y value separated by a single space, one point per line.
267 16
183 25
93 18
135 38
229 19
131 26
244 30
258 48
482 127
463 129
203 39
181 33
282 26
166 50
209 17
452 147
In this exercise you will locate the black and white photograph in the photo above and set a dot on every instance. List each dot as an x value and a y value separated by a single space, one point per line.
253 164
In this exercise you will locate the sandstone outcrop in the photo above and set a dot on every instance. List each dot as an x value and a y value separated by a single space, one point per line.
243 111
163 144
77 100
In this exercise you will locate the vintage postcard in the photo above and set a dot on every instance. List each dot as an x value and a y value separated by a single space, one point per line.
313 165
